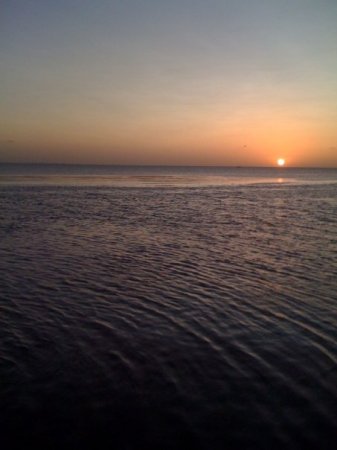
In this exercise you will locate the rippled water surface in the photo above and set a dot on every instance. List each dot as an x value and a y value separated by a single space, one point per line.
169 316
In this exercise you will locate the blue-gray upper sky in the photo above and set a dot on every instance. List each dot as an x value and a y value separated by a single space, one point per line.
191 82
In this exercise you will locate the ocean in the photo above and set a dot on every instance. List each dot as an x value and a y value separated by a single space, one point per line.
168 308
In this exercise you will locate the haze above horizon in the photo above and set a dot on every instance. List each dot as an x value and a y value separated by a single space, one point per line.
230 83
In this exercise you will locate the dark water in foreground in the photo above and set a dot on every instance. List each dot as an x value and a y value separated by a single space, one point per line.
169 313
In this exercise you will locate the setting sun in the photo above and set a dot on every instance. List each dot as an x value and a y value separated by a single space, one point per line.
280 162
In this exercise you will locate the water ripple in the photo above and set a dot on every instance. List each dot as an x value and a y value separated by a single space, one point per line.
169 318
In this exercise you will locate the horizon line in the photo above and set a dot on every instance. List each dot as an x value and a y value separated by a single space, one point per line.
232 166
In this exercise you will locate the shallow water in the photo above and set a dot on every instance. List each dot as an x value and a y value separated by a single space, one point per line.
172 317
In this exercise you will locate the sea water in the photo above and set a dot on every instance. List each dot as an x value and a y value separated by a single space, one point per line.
168 308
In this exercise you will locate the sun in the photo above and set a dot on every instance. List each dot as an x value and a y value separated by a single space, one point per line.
280 162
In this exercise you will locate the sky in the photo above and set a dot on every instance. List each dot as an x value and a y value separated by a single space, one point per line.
191 82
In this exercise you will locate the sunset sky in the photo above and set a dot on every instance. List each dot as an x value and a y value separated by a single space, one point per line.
216 82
